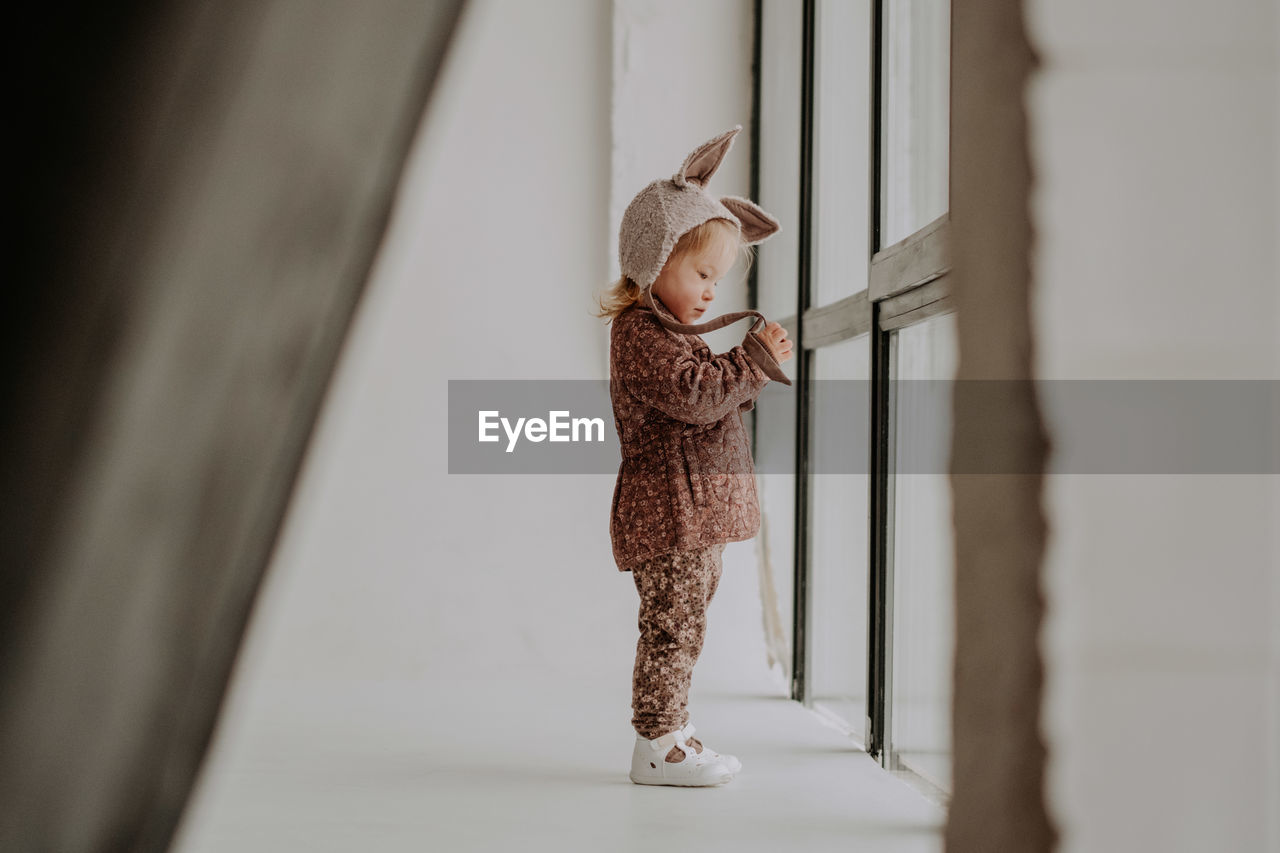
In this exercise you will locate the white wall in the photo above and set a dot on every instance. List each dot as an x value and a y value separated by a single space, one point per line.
1154 138
682 74
389 567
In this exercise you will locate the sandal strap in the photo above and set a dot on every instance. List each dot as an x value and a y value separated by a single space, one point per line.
668 740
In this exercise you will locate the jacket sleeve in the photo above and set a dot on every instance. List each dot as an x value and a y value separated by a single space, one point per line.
663 371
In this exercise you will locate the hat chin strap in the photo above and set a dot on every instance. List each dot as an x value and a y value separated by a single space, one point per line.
698 328
753 343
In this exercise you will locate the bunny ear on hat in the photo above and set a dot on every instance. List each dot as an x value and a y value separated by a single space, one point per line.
757 225
700 165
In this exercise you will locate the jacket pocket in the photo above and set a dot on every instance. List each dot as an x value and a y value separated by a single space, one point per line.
693 471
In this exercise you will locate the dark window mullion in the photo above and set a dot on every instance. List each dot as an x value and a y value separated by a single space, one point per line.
757 64
799 678
878 432
877 591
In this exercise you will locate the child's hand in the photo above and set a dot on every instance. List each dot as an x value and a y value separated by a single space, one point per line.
779 344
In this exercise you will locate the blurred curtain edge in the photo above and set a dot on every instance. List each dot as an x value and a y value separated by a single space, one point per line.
200 192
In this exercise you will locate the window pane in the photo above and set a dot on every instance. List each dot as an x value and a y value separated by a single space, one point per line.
837 623
922 552
916 79
775 451
780 55
776 298
842 149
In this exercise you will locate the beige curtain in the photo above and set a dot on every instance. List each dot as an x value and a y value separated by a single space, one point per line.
999 756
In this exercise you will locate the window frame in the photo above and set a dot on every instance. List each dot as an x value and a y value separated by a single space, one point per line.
908 284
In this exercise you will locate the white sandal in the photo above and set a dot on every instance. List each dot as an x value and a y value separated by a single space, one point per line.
649 765
729 761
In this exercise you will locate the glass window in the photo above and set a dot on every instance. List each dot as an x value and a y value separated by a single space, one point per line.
777 297
842 149
839 508
916 97
780 61
923 361
775 453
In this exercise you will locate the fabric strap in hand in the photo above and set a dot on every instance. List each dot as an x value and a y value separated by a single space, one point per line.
753 343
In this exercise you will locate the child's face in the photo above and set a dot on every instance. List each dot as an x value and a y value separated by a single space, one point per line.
687 283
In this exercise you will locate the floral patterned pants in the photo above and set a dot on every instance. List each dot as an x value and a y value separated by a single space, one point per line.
675 591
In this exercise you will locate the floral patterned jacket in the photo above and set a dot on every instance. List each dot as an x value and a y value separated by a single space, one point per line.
687 479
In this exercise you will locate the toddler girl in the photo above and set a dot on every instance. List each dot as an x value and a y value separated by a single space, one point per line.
686 485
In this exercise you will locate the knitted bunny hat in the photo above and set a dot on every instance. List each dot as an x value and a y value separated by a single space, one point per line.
665 210
662 212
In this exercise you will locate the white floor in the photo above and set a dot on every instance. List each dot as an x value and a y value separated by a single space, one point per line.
386 768
532 756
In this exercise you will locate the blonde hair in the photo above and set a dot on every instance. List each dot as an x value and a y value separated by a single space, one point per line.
624 292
